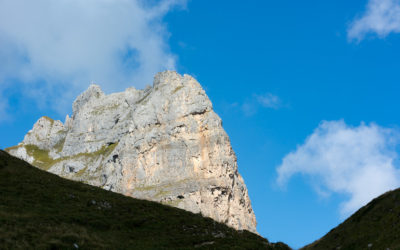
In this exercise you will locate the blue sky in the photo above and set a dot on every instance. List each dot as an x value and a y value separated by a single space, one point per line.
307 90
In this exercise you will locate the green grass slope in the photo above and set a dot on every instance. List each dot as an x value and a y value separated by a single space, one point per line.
374 226
39 210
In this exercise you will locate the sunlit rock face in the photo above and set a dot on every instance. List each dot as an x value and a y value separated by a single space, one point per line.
164 143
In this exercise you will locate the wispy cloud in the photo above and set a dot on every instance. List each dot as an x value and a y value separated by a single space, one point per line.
269 100
4 116
249 108
356 161
55 48
251 105
381 17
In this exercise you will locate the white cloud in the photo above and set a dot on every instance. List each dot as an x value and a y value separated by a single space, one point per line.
381 17
355 161
52 48
249 108
4 106
4 116
269 100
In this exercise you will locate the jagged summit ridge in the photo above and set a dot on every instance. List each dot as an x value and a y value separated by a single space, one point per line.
94 91
164 143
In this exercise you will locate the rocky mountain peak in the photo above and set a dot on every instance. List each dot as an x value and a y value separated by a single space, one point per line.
164 143
93 92
166 77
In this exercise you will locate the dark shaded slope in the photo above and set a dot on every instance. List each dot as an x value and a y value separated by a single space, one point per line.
374 226
40 210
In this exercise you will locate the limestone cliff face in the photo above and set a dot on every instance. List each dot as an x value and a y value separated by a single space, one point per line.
164 143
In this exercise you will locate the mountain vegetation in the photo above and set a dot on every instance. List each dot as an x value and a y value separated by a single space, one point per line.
374 226
40 210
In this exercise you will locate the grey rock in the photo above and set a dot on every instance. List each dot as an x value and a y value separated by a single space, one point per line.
164 143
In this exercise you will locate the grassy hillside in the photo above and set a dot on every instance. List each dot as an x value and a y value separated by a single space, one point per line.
374 226
43 211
